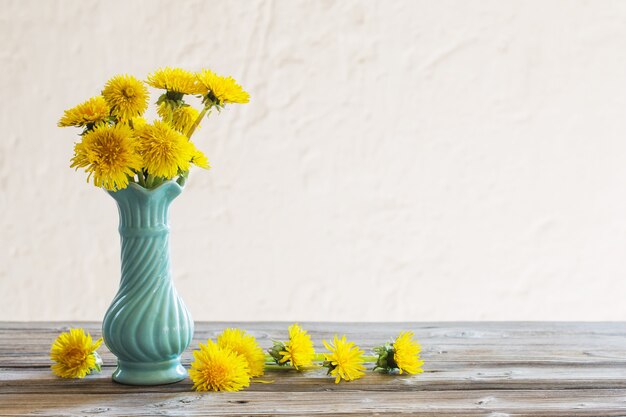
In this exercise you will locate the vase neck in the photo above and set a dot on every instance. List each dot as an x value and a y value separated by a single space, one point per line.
144 232
145 213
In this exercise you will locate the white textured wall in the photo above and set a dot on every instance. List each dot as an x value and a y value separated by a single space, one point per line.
399 160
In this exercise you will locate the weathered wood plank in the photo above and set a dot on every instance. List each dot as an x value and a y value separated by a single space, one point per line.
462 330
426 403
504 344
42 381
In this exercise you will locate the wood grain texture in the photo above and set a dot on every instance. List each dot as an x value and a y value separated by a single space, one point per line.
492 369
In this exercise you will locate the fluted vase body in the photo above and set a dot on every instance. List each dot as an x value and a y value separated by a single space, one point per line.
147 325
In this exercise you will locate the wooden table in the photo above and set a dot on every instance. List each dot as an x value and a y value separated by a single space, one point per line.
487 369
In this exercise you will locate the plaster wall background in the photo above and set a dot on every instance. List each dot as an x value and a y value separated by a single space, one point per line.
399 160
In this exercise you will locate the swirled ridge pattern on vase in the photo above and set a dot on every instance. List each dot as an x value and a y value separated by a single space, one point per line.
147 323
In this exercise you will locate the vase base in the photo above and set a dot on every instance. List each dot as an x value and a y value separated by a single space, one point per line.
149 373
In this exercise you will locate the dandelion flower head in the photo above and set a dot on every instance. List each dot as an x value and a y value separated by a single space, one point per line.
221 90
175 80
127 96
245 345
218 369
299 348
345 360
75 354
108 155
89 113
407 353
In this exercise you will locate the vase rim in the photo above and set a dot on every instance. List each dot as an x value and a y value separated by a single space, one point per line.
170 187
150 190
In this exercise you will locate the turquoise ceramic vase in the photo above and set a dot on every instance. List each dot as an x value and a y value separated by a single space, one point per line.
147 326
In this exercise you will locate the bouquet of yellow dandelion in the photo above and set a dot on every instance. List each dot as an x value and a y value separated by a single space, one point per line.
118 146
144 165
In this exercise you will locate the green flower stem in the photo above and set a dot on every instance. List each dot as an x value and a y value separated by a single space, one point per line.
319 357
269 359
157 181
198 120
140 179
275 367
149 181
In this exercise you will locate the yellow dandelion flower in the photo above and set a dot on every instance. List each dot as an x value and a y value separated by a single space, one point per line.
221 90
298 350
75 354
165 152
245 345
403 354
127 96
200 160
181 118
407 353
89 113
108 154
345 360
176 80
137 122
218 369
